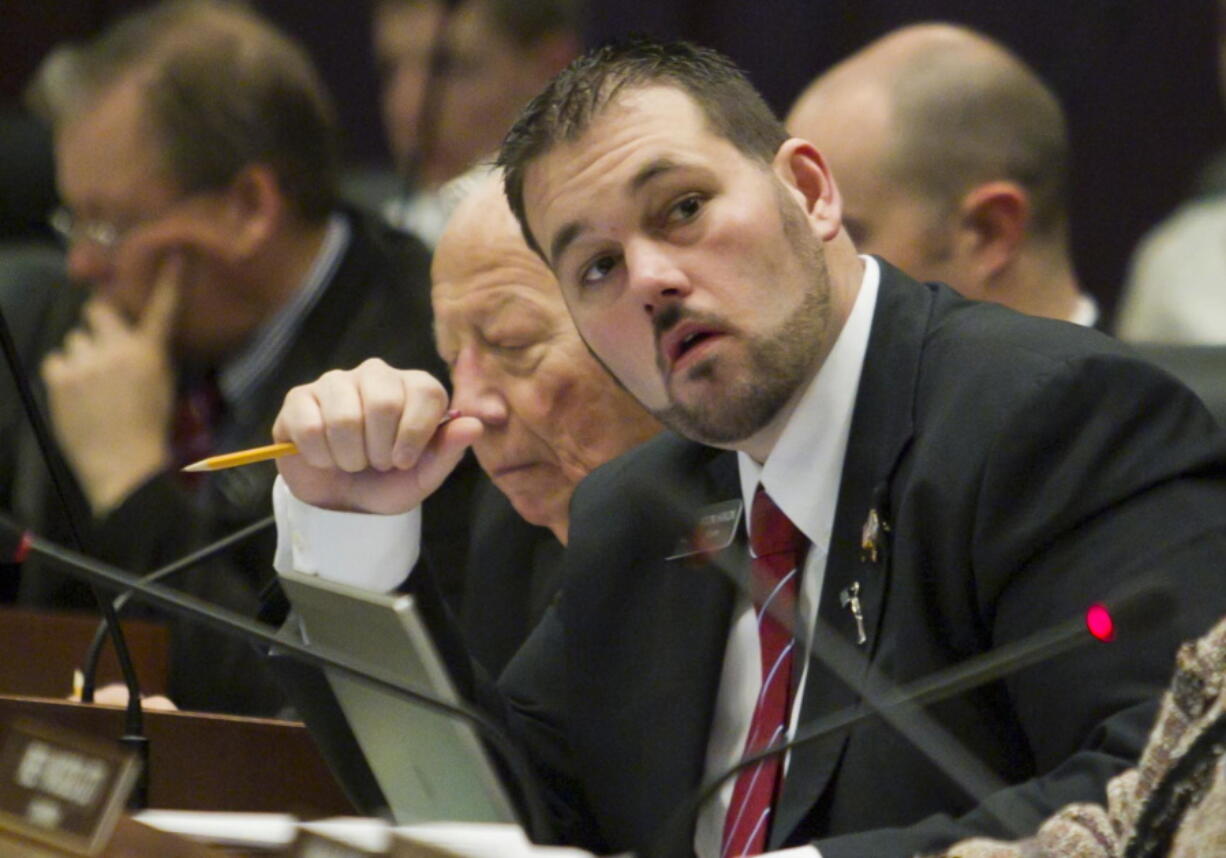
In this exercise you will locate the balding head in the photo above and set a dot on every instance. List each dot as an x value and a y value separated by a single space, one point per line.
913 124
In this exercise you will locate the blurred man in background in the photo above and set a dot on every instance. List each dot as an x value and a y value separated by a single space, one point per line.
490 57
952 156
195 156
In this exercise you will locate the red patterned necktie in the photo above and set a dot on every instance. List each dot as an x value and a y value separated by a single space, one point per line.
778 556
197 411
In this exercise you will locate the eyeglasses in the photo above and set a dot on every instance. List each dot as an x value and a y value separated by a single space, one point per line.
103 234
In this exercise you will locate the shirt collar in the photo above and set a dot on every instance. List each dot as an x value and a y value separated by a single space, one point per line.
803 471
1086 311
245 371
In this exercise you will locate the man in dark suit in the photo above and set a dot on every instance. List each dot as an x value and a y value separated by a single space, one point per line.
195 153
942 477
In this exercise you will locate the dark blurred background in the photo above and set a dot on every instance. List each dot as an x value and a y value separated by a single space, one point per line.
1138 78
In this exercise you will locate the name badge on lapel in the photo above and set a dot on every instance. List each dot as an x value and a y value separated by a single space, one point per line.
714 530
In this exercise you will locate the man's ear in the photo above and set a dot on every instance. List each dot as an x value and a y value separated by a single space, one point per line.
254 208
803 170
992 221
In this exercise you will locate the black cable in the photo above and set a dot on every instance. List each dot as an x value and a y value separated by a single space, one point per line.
1131 609
90 670
134 737
218 618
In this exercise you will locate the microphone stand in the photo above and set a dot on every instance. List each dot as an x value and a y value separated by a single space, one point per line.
197 610
133 737
902 707
904 702
92 655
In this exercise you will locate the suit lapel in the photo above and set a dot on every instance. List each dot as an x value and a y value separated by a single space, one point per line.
650 674
881 429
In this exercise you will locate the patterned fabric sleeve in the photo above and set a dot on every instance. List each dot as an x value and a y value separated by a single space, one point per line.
1173 803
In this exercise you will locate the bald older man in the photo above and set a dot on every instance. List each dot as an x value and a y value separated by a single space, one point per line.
548 413
952 158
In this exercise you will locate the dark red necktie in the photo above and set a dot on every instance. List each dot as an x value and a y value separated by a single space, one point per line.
197 412
778 557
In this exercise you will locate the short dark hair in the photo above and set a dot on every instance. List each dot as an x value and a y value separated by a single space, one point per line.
223 89
577 96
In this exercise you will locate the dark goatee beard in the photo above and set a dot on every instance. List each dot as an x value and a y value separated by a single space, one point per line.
777 366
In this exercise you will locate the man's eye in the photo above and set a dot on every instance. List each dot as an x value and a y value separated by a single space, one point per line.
597 270
685 209
509 345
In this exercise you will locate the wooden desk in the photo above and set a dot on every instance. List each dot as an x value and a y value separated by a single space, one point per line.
202 761
54 644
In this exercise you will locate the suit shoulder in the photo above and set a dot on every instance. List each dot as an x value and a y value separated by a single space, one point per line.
665 457
652 484
391 258
986 354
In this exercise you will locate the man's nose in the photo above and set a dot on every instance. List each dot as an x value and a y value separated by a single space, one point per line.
654 275
87 262
475 388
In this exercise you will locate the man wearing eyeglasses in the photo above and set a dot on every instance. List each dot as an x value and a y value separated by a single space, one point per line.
195 156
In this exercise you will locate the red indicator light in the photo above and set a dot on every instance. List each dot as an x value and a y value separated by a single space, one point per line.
1099 622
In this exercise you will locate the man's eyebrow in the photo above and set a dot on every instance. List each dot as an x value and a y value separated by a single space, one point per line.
650 171
567 234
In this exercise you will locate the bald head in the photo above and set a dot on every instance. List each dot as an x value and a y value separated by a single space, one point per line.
915 122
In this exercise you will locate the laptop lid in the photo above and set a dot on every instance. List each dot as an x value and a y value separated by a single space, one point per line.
429 766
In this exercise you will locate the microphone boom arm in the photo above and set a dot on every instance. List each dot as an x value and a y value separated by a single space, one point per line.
196 610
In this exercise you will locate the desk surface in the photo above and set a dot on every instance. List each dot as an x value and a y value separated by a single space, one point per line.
202 761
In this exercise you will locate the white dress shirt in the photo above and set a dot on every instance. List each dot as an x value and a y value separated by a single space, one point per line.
801 474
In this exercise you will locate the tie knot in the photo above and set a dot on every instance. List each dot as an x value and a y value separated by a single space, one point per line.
770 531
198 411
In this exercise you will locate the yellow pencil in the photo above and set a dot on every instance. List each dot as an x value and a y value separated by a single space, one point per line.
243 457
260 454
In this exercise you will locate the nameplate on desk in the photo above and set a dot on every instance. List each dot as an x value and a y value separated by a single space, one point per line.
61 789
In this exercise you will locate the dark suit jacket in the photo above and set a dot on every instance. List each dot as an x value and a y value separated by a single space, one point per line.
377 303
513 573
1024 468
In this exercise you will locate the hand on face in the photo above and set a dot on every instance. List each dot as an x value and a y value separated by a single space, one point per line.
110 388
370 439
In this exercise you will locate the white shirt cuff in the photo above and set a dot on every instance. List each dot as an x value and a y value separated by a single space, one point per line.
375 552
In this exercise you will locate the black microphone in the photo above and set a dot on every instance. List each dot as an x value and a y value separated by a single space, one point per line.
90 669
134 731
1128 612
847 663
229 622
14 546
